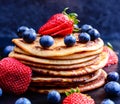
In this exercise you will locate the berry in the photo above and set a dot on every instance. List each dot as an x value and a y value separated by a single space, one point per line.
1 92
29 35
59 24
107 101
74 97
21 30
94 34
15 77
46 41
86 28
112 57
69 40
7 50
113 76
112 88
23 100
53 97
84 37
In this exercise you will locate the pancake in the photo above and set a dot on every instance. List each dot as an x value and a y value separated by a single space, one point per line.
50 61
71 56
58 48
100 81
77 72
59 81
60 67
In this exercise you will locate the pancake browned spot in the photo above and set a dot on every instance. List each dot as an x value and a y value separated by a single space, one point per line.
100 81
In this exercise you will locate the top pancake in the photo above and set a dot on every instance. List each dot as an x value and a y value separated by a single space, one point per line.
58 48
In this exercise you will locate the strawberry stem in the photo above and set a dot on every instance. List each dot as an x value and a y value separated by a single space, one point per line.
72 16
72 91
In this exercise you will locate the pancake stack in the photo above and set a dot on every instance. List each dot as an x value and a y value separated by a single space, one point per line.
60 67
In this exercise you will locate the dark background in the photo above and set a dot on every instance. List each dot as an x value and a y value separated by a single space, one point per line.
101 14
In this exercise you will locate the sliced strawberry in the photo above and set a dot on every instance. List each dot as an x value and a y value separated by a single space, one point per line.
57 23
63 32
113 58
56 28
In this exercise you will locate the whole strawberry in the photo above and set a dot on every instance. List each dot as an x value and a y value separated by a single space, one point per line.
113 58
59 24
77 98
15 77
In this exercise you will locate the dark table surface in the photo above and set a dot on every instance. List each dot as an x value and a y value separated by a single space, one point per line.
33 13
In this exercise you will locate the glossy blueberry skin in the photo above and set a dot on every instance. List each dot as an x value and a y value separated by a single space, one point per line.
46 41
94 34
23 100
112 88
84 37
107 101
29 35
53 97
113 76
69 40
1 92
7 50
20 31
86 28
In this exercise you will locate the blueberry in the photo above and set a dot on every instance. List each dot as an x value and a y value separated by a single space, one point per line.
113 76
69 40
107 101
112 88
29 35
7 50
86 28
1 92
46 41
53 97
84 37
94 34
20 30
23 100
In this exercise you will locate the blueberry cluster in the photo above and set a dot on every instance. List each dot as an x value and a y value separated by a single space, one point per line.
112 88
88 33
28 34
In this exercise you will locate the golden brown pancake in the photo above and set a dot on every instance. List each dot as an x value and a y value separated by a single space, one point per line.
50 61
60 67
59 48
100 81
58 81
71 56
76 72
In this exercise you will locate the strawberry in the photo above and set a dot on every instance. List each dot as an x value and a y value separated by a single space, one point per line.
15 77
77 98
113 58
59 24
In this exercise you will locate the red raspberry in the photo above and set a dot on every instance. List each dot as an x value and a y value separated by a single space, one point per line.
15 77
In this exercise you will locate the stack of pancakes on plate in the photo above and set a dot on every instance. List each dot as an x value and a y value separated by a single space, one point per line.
60 67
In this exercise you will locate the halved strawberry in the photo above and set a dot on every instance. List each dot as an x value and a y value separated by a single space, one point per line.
78 98
59 24
113 58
